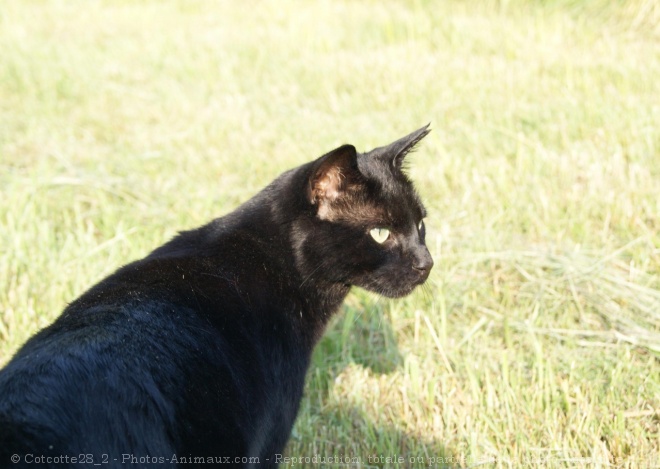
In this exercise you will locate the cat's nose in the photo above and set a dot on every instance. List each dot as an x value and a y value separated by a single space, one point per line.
422 262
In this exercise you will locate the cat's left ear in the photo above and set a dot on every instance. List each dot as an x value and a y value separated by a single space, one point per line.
331 175
395 152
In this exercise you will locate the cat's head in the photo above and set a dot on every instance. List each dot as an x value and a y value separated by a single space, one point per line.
368 227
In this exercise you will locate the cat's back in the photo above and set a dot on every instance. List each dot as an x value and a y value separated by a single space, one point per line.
95 380
141 360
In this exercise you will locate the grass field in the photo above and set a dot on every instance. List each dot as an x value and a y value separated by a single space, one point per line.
536 341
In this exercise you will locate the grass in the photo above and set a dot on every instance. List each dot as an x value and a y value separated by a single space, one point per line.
536 341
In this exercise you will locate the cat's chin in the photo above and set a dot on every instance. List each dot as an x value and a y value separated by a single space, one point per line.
399 294
390 292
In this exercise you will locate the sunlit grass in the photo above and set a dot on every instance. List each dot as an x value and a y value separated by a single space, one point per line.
536 339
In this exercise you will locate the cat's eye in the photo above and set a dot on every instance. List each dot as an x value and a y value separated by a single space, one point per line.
380 235
420 225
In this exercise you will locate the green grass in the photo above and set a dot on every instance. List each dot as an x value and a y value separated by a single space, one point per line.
537 339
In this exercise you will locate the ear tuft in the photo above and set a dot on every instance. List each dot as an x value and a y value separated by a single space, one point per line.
327 185
329 176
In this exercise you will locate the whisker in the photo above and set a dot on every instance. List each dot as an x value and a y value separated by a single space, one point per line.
321 264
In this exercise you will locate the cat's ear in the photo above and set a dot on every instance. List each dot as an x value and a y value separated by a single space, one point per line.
395 152
331 175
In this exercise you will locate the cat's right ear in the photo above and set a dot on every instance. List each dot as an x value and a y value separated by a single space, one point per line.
330 177
394 153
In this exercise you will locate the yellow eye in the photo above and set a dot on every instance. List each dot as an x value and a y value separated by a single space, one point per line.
380 235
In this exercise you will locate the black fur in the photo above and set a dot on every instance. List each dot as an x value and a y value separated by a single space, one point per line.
201 348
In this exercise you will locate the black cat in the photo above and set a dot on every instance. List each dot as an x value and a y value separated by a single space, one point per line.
197 353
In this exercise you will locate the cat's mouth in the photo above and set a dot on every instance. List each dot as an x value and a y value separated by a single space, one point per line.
394 283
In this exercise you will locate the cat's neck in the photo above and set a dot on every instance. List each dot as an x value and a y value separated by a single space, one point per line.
281 214
259 244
